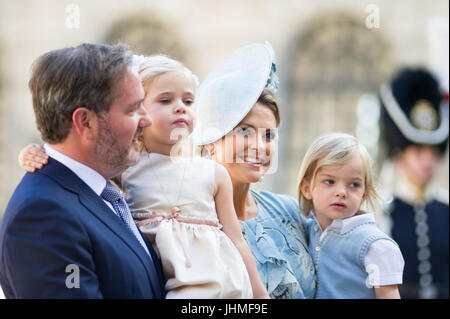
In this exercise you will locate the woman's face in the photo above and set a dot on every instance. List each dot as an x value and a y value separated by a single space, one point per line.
248 151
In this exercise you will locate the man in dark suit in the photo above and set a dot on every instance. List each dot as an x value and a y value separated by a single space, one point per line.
67 232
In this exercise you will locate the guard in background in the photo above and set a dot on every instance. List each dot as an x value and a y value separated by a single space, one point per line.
414 131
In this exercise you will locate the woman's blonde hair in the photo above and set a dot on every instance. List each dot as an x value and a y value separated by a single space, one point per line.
269 100
336 149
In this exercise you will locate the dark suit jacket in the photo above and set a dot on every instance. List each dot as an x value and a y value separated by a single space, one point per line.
55 225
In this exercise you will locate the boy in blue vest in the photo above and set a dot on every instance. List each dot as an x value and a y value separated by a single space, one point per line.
353 258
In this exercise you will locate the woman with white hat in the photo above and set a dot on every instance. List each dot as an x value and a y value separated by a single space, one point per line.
237 120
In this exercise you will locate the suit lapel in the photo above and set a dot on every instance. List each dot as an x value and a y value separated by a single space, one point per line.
94 204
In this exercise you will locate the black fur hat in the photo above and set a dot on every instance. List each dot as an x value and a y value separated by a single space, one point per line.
413 112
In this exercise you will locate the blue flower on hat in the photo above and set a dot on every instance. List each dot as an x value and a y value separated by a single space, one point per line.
273 81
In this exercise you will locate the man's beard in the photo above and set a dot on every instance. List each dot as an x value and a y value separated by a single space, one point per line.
110 152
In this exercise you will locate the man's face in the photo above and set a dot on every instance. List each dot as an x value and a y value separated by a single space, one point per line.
117 140
419 163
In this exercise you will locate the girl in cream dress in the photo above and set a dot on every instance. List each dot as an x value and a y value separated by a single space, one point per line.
184 205
198 258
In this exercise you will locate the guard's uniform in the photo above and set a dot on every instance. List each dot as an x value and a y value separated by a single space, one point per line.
420 226
415 112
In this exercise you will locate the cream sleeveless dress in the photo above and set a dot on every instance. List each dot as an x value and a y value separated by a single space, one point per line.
198 259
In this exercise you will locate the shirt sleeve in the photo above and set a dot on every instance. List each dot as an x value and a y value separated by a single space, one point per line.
384 264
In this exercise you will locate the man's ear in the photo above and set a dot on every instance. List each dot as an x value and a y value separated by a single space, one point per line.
85 123
305 188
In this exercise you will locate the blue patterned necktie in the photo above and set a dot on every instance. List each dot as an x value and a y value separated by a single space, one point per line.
112 195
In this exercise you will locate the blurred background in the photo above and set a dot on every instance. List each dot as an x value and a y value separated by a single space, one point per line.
332 56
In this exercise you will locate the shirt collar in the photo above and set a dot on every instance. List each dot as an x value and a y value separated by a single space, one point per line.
344 225
410 193
91 177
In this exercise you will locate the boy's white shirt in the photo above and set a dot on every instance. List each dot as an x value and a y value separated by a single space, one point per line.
384 261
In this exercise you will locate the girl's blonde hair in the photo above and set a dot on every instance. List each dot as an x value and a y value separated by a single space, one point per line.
149 67
336 149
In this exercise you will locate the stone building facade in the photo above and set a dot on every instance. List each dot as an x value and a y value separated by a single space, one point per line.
329 55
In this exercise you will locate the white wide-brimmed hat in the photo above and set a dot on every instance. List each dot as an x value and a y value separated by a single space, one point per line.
230 91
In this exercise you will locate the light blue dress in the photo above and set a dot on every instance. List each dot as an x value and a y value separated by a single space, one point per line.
277 238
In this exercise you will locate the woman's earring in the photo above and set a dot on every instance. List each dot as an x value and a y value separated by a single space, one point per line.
211 150
207 152
261 179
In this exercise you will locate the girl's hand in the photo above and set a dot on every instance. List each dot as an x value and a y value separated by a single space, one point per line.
32 156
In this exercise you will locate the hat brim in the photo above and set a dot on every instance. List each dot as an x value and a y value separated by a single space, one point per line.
230 91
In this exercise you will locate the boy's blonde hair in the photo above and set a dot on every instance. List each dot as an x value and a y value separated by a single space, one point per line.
336 149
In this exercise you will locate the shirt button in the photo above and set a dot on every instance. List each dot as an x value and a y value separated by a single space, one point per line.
317 248
316 228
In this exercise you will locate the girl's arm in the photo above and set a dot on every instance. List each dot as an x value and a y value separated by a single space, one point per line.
223 196
32 156
387 292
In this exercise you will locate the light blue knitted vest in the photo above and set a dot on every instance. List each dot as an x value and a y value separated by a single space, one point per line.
339 260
